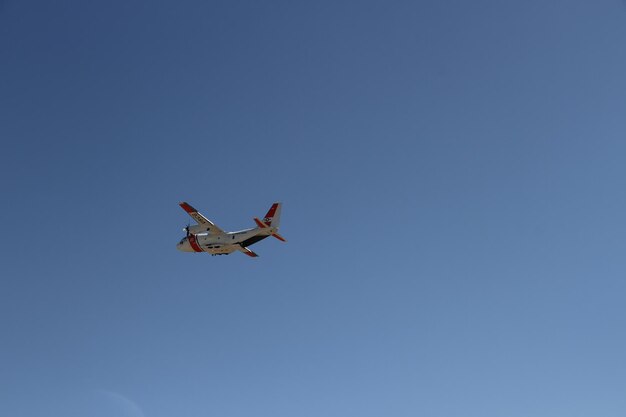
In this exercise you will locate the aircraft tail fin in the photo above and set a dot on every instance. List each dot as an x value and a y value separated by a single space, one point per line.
272 218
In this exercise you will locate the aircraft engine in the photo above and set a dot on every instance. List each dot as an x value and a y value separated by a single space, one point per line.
198 228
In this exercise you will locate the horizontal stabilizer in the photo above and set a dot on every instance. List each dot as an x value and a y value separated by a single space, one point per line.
263 225
260 223
279 237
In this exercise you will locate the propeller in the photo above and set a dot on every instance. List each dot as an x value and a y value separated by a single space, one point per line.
186 229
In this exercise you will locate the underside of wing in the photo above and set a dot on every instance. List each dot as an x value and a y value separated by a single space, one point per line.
211 227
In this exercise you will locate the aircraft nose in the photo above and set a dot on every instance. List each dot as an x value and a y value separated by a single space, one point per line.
183 246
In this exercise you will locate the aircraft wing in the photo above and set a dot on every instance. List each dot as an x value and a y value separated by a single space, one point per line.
247 251
212 228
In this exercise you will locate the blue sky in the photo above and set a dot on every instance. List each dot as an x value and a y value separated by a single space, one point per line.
453 177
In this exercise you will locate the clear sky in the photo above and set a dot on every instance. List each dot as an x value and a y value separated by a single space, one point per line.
454 183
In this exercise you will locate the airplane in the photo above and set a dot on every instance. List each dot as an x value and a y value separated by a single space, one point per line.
207 237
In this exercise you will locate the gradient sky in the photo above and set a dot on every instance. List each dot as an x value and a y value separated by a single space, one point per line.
454 183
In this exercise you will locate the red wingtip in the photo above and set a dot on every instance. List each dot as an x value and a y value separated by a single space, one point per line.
187 207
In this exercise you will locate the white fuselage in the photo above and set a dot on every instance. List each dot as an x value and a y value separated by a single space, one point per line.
223 243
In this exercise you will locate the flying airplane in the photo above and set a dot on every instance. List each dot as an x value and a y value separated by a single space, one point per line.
207 237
